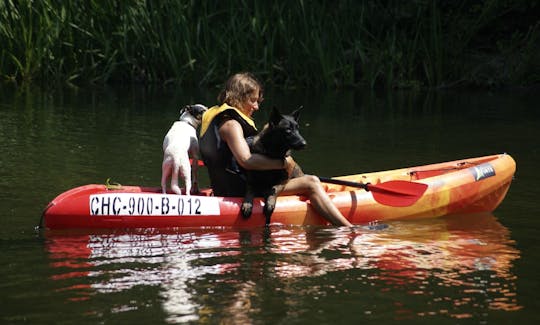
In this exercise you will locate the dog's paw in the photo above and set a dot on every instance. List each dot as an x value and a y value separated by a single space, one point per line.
269 207
246 209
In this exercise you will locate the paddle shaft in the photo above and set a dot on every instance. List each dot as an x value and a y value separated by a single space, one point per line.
342 182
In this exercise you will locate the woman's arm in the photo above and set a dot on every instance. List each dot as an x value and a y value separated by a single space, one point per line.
232 133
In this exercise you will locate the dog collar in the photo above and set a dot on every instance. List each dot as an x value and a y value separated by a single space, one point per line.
189 119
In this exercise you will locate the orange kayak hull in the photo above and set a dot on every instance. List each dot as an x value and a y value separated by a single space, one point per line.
456 187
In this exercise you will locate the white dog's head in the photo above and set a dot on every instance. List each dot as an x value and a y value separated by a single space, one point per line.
195 110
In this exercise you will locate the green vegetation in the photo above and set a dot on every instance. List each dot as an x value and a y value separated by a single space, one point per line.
296 43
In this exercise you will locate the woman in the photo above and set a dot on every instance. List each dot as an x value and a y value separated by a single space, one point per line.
224 148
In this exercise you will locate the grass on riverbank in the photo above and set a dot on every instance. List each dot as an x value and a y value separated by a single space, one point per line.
288 43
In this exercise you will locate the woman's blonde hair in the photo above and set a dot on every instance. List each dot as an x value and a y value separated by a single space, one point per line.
238 88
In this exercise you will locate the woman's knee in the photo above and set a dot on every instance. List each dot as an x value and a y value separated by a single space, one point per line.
313 183
305 185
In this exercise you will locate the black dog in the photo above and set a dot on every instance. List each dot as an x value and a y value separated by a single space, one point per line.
278 137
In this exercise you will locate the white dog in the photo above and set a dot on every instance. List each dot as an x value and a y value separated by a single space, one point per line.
179 145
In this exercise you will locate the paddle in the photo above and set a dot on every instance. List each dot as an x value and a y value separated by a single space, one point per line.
393 193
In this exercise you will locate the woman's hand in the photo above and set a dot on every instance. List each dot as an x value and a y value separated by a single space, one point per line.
290 166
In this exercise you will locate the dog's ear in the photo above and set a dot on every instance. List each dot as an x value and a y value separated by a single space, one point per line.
275 117
184 109
296 114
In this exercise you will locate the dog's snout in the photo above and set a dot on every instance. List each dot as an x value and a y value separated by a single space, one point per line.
300 144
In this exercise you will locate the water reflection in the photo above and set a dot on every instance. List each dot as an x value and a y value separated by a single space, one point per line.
450 266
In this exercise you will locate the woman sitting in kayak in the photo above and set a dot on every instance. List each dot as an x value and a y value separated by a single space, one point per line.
226 153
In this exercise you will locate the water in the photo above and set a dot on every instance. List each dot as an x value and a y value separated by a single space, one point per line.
472 269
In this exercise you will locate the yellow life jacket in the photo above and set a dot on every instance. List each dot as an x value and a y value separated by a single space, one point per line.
209 115
226 175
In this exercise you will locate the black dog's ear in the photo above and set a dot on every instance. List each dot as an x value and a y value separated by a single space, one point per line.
296 114
275 116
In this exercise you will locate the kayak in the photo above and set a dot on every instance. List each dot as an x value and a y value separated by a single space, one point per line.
463 186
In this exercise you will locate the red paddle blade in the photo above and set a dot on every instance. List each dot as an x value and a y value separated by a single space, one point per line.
397 193
199 163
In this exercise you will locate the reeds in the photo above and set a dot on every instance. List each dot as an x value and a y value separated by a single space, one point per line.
290 43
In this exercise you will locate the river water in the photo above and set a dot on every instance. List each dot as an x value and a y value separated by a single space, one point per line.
472 269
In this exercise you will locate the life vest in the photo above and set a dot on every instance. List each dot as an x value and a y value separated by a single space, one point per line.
226 175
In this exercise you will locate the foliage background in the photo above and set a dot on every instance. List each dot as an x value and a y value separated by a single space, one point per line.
296 43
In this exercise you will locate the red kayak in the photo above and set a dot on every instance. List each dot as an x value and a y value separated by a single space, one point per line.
456 187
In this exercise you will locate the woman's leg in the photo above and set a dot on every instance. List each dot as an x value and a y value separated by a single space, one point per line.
311 187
